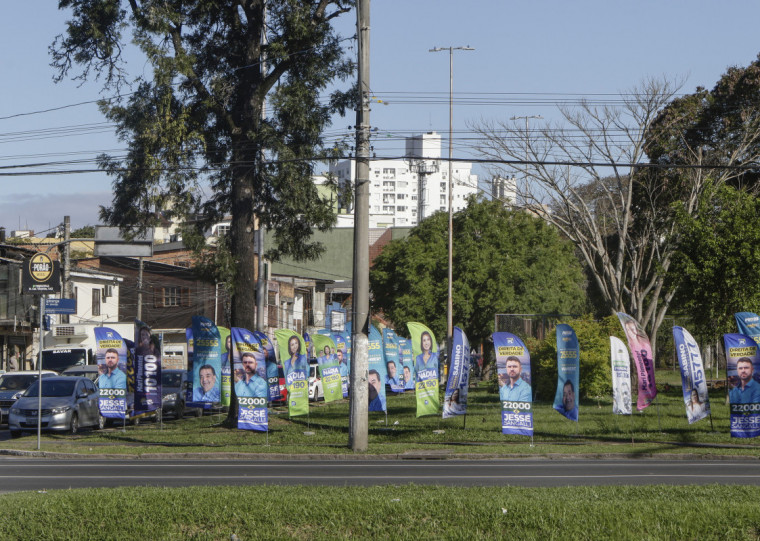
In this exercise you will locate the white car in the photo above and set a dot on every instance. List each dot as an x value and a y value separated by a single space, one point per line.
315 384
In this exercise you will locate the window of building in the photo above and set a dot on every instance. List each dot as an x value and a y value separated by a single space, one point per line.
443 186
401 208
96 302
166 297
222 230
390 171
171 296
414 197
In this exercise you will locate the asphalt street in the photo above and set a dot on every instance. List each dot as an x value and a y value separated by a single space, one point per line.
17 473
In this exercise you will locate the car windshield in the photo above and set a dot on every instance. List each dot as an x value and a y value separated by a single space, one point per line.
171 379
52 388
16 382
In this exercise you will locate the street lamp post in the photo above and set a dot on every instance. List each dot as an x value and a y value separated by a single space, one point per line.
449 302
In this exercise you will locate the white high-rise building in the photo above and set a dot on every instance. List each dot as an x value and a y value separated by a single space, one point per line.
402 192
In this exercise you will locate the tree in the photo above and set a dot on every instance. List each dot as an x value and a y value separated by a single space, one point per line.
86 232
718 265
196 116
598 178
504 261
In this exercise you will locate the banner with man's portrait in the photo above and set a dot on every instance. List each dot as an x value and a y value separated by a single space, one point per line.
568 372
406 360
327 366
393 368
377 371
273 373
515 393
341 353
425 354
455 398
641 350
743 372
147 367
295 366
621 377
693 380
249 375
207 363
111 355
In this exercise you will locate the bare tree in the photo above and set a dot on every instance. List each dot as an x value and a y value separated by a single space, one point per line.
590 176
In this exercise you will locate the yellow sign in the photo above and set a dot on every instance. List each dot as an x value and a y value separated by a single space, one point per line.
41 267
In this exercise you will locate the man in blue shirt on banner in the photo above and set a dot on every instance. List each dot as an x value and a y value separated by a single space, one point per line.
252 385
748 390
112 378
208 391
568 408
514 389
391 378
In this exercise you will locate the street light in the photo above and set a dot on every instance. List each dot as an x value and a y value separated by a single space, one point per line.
449 302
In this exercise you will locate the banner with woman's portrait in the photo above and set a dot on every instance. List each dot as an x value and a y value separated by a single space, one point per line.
341 353
147 367
641 351
425 354
515 393
295 366
455 398
327 367
693 380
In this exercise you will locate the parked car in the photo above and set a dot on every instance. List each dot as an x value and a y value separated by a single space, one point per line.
68 403
315 383
13 385
89 371
174 384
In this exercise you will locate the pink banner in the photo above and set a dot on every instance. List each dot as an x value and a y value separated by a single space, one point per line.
641 351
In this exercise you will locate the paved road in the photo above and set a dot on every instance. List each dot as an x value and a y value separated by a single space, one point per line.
36 474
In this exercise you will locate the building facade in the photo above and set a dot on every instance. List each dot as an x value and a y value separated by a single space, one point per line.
405 191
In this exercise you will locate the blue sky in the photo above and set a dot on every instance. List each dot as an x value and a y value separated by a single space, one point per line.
533 53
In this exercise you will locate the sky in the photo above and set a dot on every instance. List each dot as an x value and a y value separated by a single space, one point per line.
528 56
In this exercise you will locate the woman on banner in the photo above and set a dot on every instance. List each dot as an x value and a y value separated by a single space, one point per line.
695 407
428 359
297 361
326 357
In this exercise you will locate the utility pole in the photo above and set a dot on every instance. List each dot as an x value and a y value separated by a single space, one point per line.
359 392
449 300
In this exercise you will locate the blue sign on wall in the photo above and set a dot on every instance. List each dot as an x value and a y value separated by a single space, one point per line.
61 306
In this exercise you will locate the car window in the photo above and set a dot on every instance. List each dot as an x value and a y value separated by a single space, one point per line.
54 388
16 382
89 386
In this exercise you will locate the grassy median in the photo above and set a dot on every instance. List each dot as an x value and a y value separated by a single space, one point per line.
661 428
392 512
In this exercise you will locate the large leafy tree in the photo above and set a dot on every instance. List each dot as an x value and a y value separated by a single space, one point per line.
505 261
195 117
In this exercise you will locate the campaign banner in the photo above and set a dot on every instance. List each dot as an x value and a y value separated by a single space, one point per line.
693 381
273 372
112 365
295 366
341 353
641 350
310 353
406 360
249 369
515 393
455 398
425 353
743 371
393 369
377 371
147 365
207 363
748 324
327 365
568 372
225 337
621 377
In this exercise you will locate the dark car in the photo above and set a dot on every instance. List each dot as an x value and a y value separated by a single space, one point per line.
89 371
68 403
174 385
13 385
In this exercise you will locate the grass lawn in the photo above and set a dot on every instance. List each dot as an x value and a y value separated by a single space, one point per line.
390 512
661 428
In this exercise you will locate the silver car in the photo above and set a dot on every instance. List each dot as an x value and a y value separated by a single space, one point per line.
13 385
68 403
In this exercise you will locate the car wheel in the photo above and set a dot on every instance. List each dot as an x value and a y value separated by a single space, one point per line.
74 424
16 433
136 421
101 422
199 412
